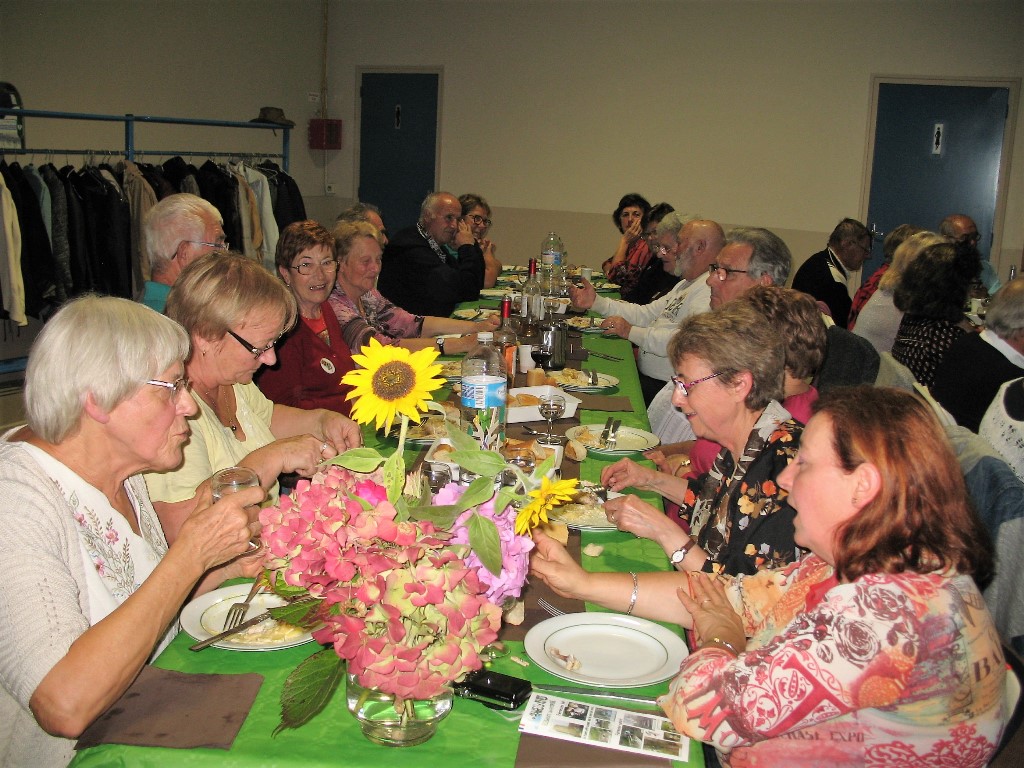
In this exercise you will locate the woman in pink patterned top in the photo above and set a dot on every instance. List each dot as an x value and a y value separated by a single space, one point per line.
876 650
363 312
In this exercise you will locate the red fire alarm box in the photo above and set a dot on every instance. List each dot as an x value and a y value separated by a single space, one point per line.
324 133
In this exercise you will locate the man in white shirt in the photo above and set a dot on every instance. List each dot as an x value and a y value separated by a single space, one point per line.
686 248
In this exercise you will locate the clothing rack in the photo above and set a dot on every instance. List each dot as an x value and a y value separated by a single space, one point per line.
129 150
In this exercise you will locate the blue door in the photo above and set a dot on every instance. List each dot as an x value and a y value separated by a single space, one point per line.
397 143
919 178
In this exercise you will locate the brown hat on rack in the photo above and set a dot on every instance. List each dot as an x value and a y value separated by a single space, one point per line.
273 115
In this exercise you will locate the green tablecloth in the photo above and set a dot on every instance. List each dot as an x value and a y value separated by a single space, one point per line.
471 735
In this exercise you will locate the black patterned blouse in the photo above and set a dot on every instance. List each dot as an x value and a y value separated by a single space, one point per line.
741 517
922 342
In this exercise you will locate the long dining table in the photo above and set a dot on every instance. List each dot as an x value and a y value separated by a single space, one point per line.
472 734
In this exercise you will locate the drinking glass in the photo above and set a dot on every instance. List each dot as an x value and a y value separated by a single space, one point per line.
523 458
552 407
541 354
438 476
232 480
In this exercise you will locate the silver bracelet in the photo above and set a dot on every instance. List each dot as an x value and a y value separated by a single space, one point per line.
632 597
723 643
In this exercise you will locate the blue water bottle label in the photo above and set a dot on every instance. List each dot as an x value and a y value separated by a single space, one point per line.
486 396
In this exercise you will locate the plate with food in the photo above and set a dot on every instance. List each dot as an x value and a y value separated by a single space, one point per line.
493 293
572 380
585 324
474 314
204 617
627 439
585 512
451 369
608 650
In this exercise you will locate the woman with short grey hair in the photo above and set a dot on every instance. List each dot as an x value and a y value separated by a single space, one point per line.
91 588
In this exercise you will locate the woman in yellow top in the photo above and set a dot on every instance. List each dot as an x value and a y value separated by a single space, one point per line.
234 312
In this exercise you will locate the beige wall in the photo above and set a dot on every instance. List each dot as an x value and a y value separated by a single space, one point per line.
747 112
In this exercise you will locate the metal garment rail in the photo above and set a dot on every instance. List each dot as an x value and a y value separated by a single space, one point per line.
129 121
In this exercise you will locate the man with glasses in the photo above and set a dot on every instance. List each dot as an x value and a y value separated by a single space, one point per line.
176 231
962 228
417 273
686 246
826 275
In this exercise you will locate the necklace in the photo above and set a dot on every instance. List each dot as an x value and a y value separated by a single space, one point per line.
212 398
432 243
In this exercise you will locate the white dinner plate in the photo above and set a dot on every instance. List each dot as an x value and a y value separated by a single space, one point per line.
494 293
593 520
604 382
473 314
628 439
204 617
614 650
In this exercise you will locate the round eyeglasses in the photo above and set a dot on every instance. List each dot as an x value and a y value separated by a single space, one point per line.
479 220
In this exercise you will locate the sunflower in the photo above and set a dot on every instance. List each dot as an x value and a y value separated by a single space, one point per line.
392 381
545 498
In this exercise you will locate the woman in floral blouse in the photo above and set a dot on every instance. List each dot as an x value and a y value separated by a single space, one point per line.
877 648
730 367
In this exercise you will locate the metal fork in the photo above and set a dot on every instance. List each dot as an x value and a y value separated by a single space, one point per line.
237 612
593 377
547 607
613 435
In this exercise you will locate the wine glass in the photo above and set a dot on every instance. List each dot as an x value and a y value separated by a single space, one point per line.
232 480
523 458
551 407
438 476
541 353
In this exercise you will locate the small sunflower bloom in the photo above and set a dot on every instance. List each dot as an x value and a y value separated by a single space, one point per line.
391 381
545 498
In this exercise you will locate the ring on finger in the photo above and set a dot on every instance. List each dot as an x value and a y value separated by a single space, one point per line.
705 601
323 446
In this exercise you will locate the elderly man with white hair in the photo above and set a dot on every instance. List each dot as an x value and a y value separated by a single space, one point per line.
418 274
177 231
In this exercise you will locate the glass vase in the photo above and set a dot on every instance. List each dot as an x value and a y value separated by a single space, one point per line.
413 723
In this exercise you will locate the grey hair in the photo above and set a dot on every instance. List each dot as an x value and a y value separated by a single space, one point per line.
770 256
430 202
673 223
172 220
101 345
358 212
1005 316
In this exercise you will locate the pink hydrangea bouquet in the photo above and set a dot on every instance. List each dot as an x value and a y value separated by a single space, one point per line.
405 586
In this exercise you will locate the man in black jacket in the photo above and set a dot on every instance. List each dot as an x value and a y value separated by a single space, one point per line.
417 274
826 274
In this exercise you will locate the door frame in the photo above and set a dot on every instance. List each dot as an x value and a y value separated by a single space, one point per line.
358 128
1002 188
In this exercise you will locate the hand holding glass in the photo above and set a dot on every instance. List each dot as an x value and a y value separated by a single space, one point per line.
232 480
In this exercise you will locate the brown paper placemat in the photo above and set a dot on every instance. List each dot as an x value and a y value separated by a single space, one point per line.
543 752
604 402
163 708
536 588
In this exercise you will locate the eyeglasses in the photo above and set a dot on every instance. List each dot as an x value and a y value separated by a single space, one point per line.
971 239
223 245
865 248
686 386
722 273
177 386
479 220
666 249
306 267
257 352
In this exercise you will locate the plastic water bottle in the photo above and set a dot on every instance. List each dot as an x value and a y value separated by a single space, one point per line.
554 281
484 387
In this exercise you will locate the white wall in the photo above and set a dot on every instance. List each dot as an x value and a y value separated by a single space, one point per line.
747 112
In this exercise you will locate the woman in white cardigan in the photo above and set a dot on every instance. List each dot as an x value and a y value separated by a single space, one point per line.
91 589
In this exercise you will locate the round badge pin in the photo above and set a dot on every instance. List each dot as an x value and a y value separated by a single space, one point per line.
327 365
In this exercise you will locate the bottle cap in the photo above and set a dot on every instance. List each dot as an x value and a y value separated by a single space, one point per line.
484 336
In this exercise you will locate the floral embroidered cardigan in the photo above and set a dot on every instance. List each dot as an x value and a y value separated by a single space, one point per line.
738 514
890 670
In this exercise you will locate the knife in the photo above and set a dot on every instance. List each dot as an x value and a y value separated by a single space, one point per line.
597 693
610 442
604 356
603 439
229 632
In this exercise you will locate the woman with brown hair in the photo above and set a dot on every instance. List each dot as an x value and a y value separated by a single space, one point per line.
876 649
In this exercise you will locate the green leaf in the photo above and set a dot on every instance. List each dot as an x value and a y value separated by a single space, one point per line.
478 491
505 497
483 463
442 516
299 613
394 475
358 459
462 441
308 689
401 509
485 541
542 469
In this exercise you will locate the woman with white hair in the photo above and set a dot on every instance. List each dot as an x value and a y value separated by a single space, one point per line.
91 588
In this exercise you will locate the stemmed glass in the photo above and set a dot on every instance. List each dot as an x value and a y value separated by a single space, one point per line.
523 458
552 407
